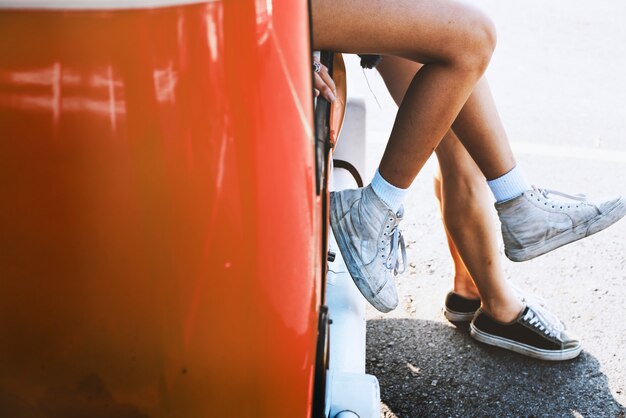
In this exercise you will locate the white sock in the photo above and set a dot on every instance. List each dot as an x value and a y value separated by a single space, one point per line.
393 196
510 185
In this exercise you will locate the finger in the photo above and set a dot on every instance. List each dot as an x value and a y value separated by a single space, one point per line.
323 87
318 83
327 78
327 93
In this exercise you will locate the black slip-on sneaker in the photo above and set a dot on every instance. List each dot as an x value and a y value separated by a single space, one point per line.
535 333
459 309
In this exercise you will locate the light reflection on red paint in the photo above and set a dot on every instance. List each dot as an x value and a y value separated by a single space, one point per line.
60 90
165 81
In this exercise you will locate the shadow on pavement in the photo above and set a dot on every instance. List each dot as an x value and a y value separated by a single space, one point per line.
432 369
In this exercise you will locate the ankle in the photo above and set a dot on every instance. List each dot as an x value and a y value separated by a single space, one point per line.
466 288
503 311
509 185
392 196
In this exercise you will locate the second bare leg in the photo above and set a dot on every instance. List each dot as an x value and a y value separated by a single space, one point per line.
465 200
467 213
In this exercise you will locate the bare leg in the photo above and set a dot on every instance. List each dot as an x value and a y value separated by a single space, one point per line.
482 133
465 200
452 40
463 283
467 213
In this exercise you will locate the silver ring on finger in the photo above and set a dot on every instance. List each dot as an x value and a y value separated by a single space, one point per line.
317 67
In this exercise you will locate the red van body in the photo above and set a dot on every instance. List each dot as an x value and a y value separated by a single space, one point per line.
160 231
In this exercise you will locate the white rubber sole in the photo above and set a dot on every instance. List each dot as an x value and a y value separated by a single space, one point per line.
527 350
584 230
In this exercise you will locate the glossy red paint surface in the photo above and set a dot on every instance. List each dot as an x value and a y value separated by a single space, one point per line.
160 234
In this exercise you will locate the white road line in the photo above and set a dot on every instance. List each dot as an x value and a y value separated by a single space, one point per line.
557 151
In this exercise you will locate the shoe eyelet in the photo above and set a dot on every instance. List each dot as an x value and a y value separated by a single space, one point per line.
552 206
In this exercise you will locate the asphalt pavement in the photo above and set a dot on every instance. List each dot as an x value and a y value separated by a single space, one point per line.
559 79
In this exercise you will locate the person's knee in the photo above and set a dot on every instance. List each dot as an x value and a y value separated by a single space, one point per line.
475 41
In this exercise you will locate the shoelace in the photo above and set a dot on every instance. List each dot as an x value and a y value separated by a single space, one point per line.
555 323
397 241
541 320
538 304
546 192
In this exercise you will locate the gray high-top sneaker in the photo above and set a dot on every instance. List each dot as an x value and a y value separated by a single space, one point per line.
367 234
535 223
